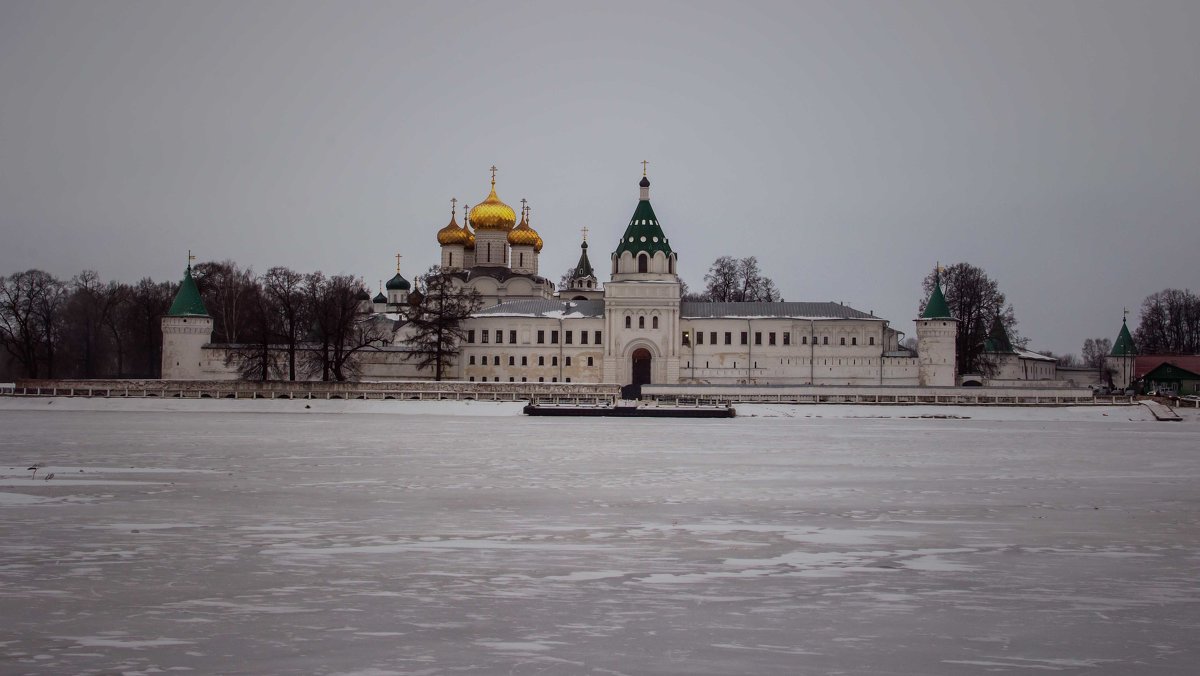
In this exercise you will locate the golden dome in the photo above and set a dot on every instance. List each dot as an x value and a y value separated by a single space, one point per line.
452 234
523 235
492 214
537 247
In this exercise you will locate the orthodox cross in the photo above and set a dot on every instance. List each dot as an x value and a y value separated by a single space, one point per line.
644 163
453 206
493 174
398 263
190 258
466 218
1124 314
523 206
584 230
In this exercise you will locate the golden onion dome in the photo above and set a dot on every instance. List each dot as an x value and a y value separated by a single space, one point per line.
492 214
537 247
452 234
523 235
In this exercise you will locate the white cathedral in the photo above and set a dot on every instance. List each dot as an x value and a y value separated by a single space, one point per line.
634 329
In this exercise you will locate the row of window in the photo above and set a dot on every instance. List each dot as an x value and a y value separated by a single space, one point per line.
512 360
799 362
511 379
758 337
568 336
641 322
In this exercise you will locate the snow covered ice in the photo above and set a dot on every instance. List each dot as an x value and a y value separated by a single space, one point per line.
425 538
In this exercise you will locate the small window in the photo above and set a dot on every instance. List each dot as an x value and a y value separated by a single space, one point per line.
484 335
496 379
471 336
699 337
843 340
590 361
568 380
824 340
511 379
568 361
771 338
541 337
554 379
758 337
787 337
687 339
499 336
745 338
854 340
597 340
628 321
554 361
641 322
496 360
643 262
512 361
472 379
804 340
729 337
524 361
483 359
583 336
512 336
570 336
654 322
541 360
471 360
554 337
523 378
541 379
712 337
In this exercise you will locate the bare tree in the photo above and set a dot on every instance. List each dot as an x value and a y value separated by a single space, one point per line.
285 288
224 287
1170 323
339 331
438 322
20 328
736 280
257 357
975 301
1095 350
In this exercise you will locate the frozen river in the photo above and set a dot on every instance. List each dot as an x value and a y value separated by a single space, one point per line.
466 538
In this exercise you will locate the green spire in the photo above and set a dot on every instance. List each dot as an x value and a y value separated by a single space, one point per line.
584 267
997 340
1124 346
188 302
643 232
937 308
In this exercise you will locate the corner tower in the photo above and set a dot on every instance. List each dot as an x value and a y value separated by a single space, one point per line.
641 303
187 328
937 333
1120 362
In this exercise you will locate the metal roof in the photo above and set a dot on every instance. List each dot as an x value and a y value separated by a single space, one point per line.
545 308
697 310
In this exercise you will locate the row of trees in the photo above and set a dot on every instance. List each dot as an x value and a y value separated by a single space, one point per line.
81 327
975 300
1169 323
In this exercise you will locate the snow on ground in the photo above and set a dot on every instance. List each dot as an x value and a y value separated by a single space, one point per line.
218 538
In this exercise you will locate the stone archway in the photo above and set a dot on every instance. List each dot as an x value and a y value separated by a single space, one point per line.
642 362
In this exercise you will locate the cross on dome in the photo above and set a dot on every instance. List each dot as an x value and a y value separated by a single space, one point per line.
398 257
584 230
644 163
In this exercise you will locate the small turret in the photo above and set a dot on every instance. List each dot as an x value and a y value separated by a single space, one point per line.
187 328
937 335
1120 363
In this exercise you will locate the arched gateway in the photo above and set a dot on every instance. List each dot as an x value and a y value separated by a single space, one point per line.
641 367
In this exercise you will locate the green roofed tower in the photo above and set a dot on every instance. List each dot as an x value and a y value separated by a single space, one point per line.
643 234
937 308
188 302
998 341
1124 346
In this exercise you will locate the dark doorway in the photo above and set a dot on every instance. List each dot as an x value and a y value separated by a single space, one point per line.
641 366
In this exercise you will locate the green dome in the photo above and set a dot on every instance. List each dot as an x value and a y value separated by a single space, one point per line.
398 283
379 298
363 294
643 234
937 308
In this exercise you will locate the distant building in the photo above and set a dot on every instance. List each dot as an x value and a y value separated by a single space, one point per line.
632 330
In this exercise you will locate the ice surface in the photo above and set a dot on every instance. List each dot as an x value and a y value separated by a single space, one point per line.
408 537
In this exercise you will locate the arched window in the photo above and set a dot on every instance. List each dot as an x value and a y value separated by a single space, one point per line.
843 340
521 264
671 264
643 262
654 322
641 322
628 321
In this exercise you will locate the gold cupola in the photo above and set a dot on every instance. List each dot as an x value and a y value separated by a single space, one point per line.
492 214
523 235
452 234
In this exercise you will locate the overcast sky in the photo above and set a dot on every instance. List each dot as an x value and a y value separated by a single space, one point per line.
848 145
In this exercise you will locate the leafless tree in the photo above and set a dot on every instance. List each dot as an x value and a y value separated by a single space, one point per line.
437 323
735 280
1170 323
975 300
339 331
286 288
224 287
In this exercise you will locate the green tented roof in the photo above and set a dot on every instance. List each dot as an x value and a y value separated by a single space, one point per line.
398 283
188 302
937 308
584 267
1124 346
643 233
997 341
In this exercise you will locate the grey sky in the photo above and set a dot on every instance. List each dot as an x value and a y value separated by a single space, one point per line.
848 145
